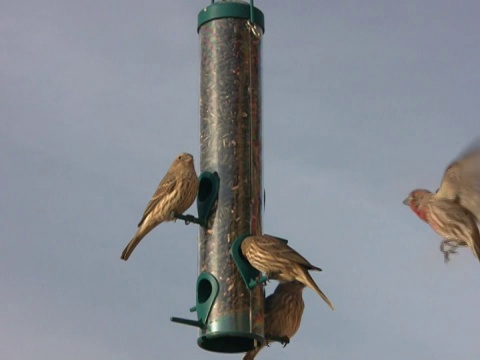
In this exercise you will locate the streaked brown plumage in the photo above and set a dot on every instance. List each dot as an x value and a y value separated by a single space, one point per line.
454 210
283 315
279 261
447 218
175 194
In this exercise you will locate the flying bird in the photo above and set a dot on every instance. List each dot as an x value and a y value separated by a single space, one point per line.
279 261
283 315
174 195
453 211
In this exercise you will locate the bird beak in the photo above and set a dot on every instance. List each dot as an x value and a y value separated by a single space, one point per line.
407 201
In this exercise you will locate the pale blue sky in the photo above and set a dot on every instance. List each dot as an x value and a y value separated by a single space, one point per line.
362 102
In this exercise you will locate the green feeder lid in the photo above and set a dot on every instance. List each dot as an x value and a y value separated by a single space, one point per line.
218 10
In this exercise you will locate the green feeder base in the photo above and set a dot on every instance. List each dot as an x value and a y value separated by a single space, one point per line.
229 342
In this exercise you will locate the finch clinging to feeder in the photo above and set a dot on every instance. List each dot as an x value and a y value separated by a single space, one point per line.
174 195
279 261
283 314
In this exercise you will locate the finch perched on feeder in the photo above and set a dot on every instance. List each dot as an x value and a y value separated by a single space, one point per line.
174 195
454 210
283 314
279 261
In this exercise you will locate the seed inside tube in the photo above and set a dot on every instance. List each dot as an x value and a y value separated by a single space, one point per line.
230 136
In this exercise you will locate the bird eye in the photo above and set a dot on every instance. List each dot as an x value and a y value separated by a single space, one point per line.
180 157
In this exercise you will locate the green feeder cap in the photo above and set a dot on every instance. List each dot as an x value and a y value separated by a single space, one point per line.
218 10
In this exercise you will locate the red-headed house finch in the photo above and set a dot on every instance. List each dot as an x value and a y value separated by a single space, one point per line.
175 194
283 314
454 210
279 261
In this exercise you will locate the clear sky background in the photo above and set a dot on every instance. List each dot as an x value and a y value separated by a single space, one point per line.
362 102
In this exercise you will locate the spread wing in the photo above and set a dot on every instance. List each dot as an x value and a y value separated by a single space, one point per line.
461 181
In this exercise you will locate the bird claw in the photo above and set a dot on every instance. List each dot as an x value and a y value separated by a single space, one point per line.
452 248
187 218
284 340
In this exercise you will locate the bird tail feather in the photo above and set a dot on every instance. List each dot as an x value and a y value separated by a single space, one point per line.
139 235
308 280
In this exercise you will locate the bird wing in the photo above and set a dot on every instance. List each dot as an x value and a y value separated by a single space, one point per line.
461 181
277 246
165 187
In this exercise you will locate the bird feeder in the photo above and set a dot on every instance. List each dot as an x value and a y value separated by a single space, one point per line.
229 313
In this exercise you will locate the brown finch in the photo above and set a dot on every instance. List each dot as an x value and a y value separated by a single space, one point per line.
283 314
279 261
454 210
175 194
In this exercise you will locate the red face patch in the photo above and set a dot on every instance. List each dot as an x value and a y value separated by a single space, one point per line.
421 213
